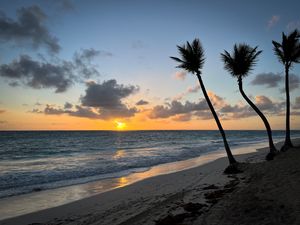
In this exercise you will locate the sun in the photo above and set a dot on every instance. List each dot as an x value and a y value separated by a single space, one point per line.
120 125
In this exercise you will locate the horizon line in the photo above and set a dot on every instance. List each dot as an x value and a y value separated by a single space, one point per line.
153 130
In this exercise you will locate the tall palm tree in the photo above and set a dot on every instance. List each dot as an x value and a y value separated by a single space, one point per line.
239 64
288 52
192 60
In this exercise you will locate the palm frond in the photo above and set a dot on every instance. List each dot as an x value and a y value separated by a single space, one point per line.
192 56
176 59
228 62
277 48
296 55
241 61
288 51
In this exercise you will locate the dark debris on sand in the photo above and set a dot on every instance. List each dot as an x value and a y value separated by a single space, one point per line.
194 210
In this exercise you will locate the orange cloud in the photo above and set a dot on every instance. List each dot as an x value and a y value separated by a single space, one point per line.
180 75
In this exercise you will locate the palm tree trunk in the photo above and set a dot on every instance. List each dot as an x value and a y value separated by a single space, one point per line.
287 142
228 151
264 119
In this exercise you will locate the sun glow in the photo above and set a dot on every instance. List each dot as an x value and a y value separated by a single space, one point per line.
120 125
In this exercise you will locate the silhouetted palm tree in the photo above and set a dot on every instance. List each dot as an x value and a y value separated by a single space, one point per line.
239 64
288 52
192 60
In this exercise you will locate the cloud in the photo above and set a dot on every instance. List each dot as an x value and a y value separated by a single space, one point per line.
90 53
216 100
185 111
29 27
14 84
271 80
101 101
273 21
180 75
176 108
295 114
294 82
179 111
193 89
82 62
79 111
68 105
183 117
87 54
88 112
142 102
205 115
189 90
297 103
108 97
39 74
85 112
35 110
2 111
107 94
38 104
50 110
266 104
293 25
59 74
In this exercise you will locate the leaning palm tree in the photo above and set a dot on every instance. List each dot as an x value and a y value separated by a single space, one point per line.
288 52
239 64
192 60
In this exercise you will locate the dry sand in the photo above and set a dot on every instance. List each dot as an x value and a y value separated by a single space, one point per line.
265 193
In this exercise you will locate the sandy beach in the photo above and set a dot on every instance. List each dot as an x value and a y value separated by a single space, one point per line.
265 193
149 112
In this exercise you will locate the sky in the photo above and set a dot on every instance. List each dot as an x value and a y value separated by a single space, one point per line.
105 65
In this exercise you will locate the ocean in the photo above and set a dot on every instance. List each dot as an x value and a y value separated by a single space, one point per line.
32 161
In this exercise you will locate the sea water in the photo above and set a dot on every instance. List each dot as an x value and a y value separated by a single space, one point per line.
32 161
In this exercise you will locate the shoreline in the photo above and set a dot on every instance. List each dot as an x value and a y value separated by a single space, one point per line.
158 188
42 200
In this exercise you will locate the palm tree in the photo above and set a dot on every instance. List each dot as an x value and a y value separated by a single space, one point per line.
288 52
239 64
192 60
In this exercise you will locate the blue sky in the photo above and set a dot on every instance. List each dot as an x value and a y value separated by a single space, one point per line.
136 38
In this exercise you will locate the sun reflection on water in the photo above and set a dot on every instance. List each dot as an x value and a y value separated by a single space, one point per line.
119 154
122 181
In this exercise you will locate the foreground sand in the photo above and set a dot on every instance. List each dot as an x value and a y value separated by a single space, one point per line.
270 195
266 193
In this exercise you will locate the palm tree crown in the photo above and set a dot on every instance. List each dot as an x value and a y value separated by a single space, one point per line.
192 56
241 61
289 49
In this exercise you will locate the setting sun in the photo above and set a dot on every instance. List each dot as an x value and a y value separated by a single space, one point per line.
120 125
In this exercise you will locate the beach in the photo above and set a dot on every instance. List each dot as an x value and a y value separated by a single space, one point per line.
266 192
149 112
